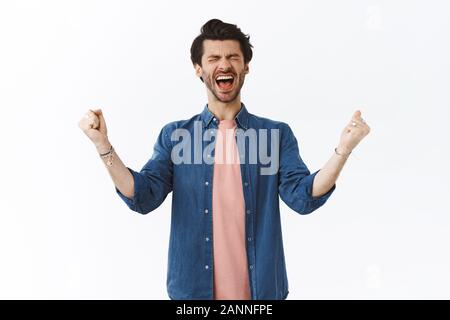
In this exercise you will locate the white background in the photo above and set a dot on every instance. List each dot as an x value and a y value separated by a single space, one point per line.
64 233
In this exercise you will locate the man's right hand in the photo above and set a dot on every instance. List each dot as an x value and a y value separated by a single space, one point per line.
94 126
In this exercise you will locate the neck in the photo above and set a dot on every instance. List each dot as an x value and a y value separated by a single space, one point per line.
225 110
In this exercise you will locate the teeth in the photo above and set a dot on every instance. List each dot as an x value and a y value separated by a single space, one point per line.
224 77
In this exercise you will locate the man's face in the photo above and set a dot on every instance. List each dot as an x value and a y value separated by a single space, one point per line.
222 58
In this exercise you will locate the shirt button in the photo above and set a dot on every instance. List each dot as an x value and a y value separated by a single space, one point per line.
249 238
207 239
206 210
251 267
212 131
206 267
245 183
248 211
206 183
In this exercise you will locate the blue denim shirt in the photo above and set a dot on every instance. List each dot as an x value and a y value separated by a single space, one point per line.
190 259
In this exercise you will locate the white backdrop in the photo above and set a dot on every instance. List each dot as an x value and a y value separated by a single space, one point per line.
64 233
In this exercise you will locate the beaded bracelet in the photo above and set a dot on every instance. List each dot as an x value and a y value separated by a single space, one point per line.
110 154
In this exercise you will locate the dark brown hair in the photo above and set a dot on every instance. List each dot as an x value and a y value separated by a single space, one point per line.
216 29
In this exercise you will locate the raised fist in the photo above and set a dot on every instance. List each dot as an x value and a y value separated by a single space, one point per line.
353 133
94 126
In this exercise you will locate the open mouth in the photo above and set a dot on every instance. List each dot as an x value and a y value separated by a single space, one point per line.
225 82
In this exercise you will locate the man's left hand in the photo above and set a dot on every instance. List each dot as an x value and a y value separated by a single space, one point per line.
353 133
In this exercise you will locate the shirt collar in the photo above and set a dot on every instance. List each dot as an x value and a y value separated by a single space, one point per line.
241 117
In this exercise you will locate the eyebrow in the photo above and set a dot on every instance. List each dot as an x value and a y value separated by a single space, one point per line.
228 55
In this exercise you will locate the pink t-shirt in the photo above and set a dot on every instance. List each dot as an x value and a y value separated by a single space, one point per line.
231 279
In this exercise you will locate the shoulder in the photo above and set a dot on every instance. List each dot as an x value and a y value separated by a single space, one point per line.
259 122
187 124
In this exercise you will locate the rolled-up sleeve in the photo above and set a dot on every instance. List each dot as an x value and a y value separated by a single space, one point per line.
154 182
295 180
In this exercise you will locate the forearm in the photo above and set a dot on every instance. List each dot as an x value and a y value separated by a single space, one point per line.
352 134
119 173
327 176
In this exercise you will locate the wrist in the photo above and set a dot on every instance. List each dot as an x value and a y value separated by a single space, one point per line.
103 146
343 150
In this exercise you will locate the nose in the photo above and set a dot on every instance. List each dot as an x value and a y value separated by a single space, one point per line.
224 65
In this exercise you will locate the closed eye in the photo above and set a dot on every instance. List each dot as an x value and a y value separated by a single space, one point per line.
235 57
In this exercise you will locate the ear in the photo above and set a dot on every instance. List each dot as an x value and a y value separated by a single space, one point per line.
246 69
198 70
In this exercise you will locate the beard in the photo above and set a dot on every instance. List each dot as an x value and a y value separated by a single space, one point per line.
230 96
